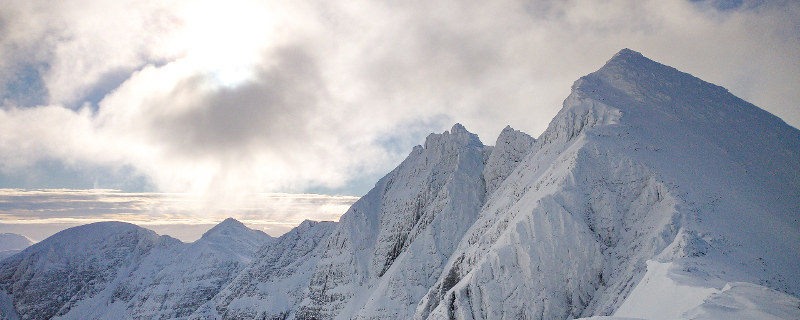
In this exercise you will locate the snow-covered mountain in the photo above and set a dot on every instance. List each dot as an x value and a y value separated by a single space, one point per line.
646 173
71 267
12 243
651 195
115 270
274 284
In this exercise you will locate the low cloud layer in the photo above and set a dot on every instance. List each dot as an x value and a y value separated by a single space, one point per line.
227 100
40 213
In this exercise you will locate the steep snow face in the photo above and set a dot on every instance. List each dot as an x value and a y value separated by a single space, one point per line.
511 148
273 285
51 277
390 246
568 222
735 165
642 163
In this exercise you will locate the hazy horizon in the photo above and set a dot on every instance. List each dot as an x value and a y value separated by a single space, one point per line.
39 214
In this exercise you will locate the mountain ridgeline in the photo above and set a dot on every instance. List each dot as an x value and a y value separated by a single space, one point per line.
651 195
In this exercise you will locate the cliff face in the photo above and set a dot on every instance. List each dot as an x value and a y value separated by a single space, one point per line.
394 241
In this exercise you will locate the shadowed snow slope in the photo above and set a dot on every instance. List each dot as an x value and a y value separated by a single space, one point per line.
651 195
71 267
115 270
273 285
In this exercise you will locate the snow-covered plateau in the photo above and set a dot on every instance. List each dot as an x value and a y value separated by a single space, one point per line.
652 195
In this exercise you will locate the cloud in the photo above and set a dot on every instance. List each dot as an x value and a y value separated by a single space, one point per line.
25 211
75 45
237 98
271 111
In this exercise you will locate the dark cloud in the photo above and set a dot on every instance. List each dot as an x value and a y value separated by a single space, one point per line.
272 111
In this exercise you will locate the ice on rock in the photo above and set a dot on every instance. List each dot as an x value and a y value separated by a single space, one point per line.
389 247
511 147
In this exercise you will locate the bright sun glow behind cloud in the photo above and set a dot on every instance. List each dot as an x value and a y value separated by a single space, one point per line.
225 38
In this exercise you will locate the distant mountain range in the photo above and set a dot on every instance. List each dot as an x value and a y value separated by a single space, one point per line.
651 195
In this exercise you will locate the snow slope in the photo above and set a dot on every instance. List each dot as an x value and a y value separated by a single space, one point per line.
114 270
175 284
391 244
379 260
53 276
273 285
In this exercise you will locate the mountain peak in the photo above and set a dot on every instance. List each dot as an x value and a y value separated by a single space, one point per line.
231 222
457 134
226 226
626 55
458 129
511 147
231 229
633 65
628 59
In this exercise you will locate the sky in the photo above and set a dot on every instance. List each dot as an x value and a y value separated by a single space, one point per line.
225 102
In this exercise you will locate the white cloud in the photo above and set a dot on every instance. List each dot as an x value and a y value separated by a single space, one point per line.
81 42
232 99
